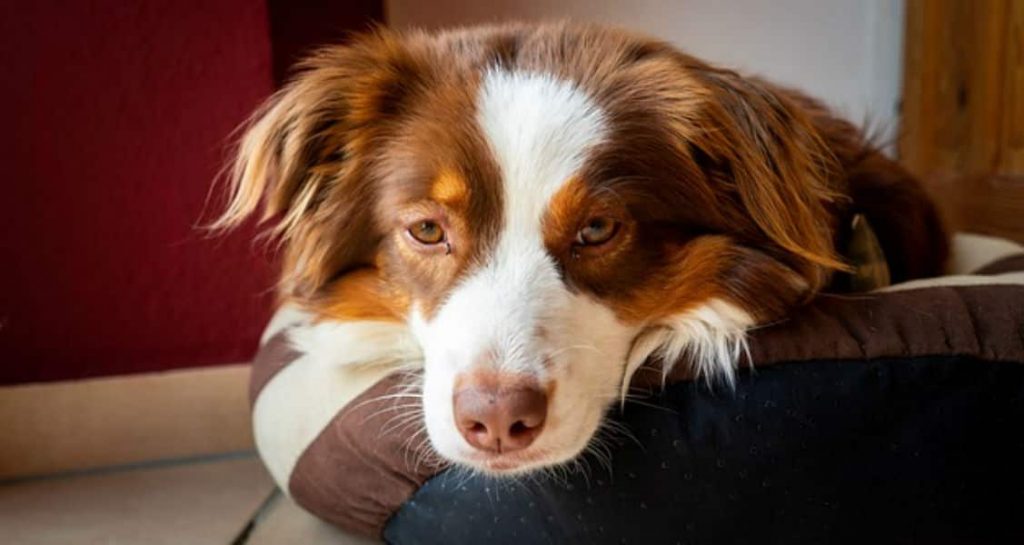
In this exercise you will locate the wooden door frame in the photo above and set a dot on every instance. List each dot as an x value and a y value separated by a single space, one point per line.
962 113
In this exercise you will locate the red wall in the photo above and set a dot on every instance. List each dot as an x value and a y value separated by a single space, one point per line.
117 117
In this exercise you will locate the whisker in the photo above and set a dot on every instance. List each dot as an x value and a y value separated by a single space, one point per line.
562 350
407 420
396 408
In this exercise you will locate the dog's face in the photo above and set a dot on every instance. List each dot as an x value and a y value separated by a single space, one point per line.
544 207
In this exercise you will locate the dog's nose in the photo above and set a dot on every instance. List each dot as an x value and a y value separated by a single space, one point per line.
499 416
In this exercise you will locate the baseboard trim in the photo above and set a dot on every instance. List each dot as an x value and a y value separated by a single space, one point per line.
88 424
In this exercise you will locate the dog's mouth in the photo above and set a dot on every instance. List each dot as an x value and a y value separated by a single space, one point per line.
509 463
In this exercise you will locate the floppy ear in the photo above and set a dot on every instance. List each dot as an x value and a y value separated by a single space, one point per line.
782 169
301 162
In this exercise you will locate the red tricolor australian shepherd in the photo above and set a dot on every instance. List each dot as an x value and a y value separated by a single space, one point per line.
533 211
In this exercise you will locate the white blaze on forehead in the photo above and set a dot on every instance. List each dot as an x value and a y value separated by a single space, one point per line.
540 129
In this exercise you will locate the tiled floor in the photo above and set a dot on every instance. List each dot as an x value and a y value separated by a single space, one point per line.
218 502
284 522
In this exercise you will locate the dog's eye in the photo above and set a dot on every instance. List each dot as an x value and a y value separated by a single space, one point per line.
427 232
597 231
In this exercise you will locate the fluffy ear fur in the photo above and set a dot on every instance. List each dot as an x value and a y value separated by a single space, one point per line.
302 161
780 165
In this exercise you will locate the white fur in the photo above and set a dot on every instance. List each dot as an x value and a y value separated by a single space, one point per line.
712 336
540 130
583 351
357 343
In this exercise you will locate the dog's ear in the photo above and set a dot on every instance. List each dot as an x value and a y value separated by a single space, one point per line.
779 164
301 162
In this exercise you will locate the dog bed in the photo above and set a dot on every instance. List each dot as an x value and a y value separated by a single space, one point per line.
890 417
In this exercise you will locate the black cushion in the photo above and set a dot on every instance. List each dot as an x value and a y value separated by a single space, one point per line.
915 450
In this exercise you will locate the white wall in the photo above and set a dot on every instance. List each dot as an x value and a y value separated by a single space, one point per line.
847 52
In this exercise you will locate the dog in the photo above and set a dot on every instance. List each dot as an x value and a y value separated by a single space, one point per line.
539 209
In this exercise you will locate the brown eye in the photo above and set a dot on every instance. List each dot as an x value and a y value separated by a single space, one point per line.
427 232
597 231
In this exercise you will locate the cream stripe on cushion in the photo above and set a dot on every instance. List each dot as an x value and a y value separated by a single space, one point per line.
340 361
970 252
1012 278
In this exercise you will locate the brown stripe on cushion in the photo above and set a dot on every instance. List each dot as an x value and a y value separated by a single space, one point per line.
273 356
371 446
981 321
1013 263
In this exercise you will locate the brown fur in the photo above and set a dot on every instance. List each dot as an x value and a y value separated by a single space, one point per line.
725 186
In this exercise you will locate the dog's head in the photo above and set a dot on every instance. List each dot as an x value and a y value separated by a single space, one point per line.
544 207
